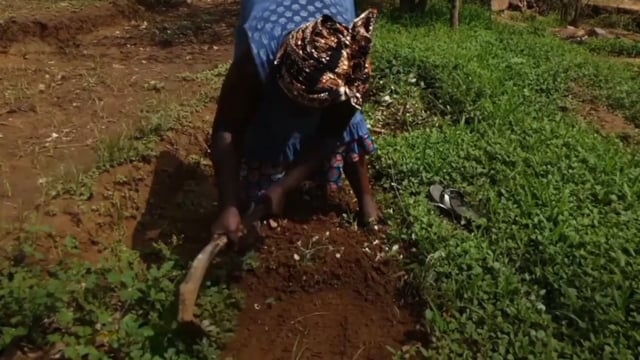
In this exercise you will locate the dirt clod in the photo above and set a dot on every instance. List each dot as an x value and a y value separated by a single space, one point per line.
331 298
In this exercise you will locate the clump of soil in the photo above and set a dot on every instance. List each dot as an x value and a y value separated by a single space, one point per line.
322 291
606 120
57 28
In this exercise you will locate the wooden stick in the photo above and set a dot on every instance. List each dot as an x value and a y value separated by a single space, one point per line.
191 285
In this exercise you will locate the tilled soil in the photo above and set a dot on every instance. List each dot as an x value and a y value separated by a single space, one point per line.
69 81
319 288
322 291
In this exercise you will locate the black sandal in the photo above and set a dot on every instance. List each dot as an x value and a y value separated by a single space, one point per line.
453 202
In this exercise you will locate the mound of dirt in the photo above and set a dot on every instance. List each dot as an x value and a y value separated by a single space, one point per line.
58 28
606 120
322 291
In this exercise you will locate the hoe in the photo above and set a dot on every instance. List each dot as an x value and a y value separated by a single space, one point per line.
191 285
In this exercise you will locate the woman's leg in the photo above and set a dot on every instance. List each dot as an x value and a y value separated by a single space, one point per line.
357 174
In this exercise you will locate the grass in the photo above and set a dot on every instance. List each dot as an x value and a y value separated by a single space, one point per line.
552 271
118 308
616 47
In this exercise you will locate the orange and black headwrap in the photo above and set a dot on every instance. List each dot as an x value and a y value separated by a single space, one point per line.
325 62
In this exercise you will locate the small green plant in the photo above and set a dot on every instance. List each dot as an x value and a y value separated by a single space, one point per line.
552 271
308 250
250 261
408 352
72 182
350 219
117 308
213 76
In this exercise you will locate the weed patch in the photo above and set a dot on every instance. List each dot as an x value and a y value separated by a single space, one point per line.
615 47
550 272
119 308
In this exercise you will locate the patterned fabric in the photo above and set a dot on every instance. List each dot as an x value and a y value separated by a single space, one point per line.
265 24
363 146
282 126
325 62
258 174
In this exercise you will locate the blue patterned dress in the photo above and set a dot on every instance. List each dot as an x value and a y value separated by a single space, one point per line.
280 131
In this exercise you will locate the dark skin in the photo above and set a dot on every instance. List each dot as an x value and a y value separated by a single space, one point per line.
237 105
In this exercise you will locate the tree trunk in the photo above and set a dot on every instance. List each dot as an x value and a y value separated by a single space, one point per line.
421 6
406 6
455 13
576 18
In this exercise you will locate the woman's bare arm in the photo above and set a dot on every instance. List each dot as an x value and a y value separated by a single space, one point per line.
237 105
334 121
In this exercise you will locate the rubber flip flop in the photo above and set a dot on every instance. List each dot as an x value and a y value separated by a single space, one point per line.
454 202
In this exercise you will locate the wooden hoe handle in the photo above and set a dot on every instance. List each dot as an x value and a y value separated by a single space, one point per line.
191 285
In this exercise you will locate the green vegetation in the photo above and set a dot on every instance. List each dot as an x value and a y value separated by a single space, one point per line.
552 271
118 308
617 47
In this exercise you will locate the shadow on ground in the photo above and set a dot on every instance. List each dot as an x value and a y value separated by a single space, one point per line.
196 24
182 205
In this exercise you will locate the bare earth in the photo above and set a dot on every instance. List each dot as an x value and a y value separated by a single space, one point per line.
79 81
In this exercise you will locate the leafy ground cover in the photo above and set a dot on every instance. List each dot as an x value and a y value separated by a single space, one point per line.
120 307
617 47
550 272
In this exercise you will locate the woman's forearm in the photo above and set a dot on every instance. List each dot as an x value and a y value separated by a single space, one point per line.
335 120
226 165
236 107
311 161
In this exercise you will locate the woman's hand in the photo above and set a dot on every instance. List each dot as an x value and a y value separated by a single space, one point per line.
274 199
229 223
